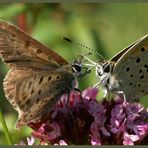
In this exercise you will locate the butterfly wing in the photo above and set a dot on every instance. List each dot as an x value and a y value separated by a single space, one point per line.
31 63
131 69
121 53
19 49
37 93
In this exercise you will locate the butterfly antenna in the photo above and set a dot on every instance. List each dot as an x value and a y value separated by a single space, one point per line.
82 45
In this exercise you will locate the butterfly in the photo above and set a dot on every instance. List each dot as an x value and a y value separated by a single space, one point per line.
126 73
37 77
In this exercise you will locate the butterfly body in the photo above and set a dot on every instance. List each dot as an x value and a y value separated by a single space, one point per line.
38 76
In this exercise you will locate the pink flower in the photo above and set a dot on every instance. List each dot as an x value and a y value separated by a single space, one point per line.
84 120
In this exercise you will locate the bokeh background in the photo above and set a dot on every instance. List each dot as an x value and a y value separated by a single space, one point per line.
105 27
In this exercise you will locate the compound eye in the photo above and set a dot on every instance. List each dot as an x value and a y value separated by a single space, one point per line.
76 68
107 69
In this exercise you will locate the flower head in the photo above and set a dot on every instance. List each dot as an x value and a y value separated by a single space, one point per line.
84 120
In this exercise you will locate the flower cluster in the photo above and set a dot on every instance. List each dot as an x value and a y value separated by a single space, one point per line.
85 121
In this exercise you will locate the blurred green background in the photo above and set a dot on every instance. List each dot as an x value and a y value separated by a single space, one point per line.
106 27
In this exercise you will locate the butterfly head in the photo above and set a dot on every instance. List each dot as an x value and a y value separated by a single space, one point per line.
77 67
104 68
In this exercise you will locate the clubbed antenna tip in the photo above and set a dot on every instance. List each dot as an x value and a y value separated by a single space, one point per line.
67 39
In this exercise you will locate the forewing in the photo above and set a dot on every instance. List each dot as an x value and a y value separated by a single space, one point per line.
132 50
131 70
19 49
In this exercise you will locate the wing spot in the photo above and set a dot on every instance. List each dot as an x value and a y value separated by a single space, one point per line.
19 102
131 83
142 49
138 60
139 85
127 69
147 70
21 106
131 75
24 97
28 102
46 100
146 66
141 77
57 77
38 99
42 101
140 71
32 91
39 92
49 78
41 79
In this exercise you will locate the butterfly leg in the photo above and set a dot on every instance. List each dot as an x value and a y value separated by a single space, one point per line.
97 84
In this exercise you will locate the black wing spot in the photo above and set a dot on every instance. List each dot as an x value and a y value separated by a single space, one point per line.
39 92
141 77
139 85
49 78
140 71
127 69
131 75
138 60
146 66
38 99
19 102
131 84
57 77
142 49
41 79
24 97
28 102
32 91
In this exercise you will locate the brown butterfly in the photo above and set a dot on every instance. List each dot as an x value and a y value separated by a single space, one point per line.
37 77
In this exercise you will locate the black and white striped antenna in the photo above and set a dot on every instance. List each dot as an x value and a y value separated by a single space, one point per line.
82 45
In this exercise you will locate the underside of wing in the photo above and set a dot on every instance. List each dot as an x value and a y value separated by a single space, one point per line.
19 49
135 49
30 93
133 73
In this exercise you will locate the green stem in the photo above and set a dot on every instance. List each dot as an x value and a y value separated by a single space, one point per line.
5 128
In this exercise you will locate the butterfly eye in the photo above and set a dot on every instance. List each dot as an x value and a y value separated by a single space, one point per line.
76 68
107 68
